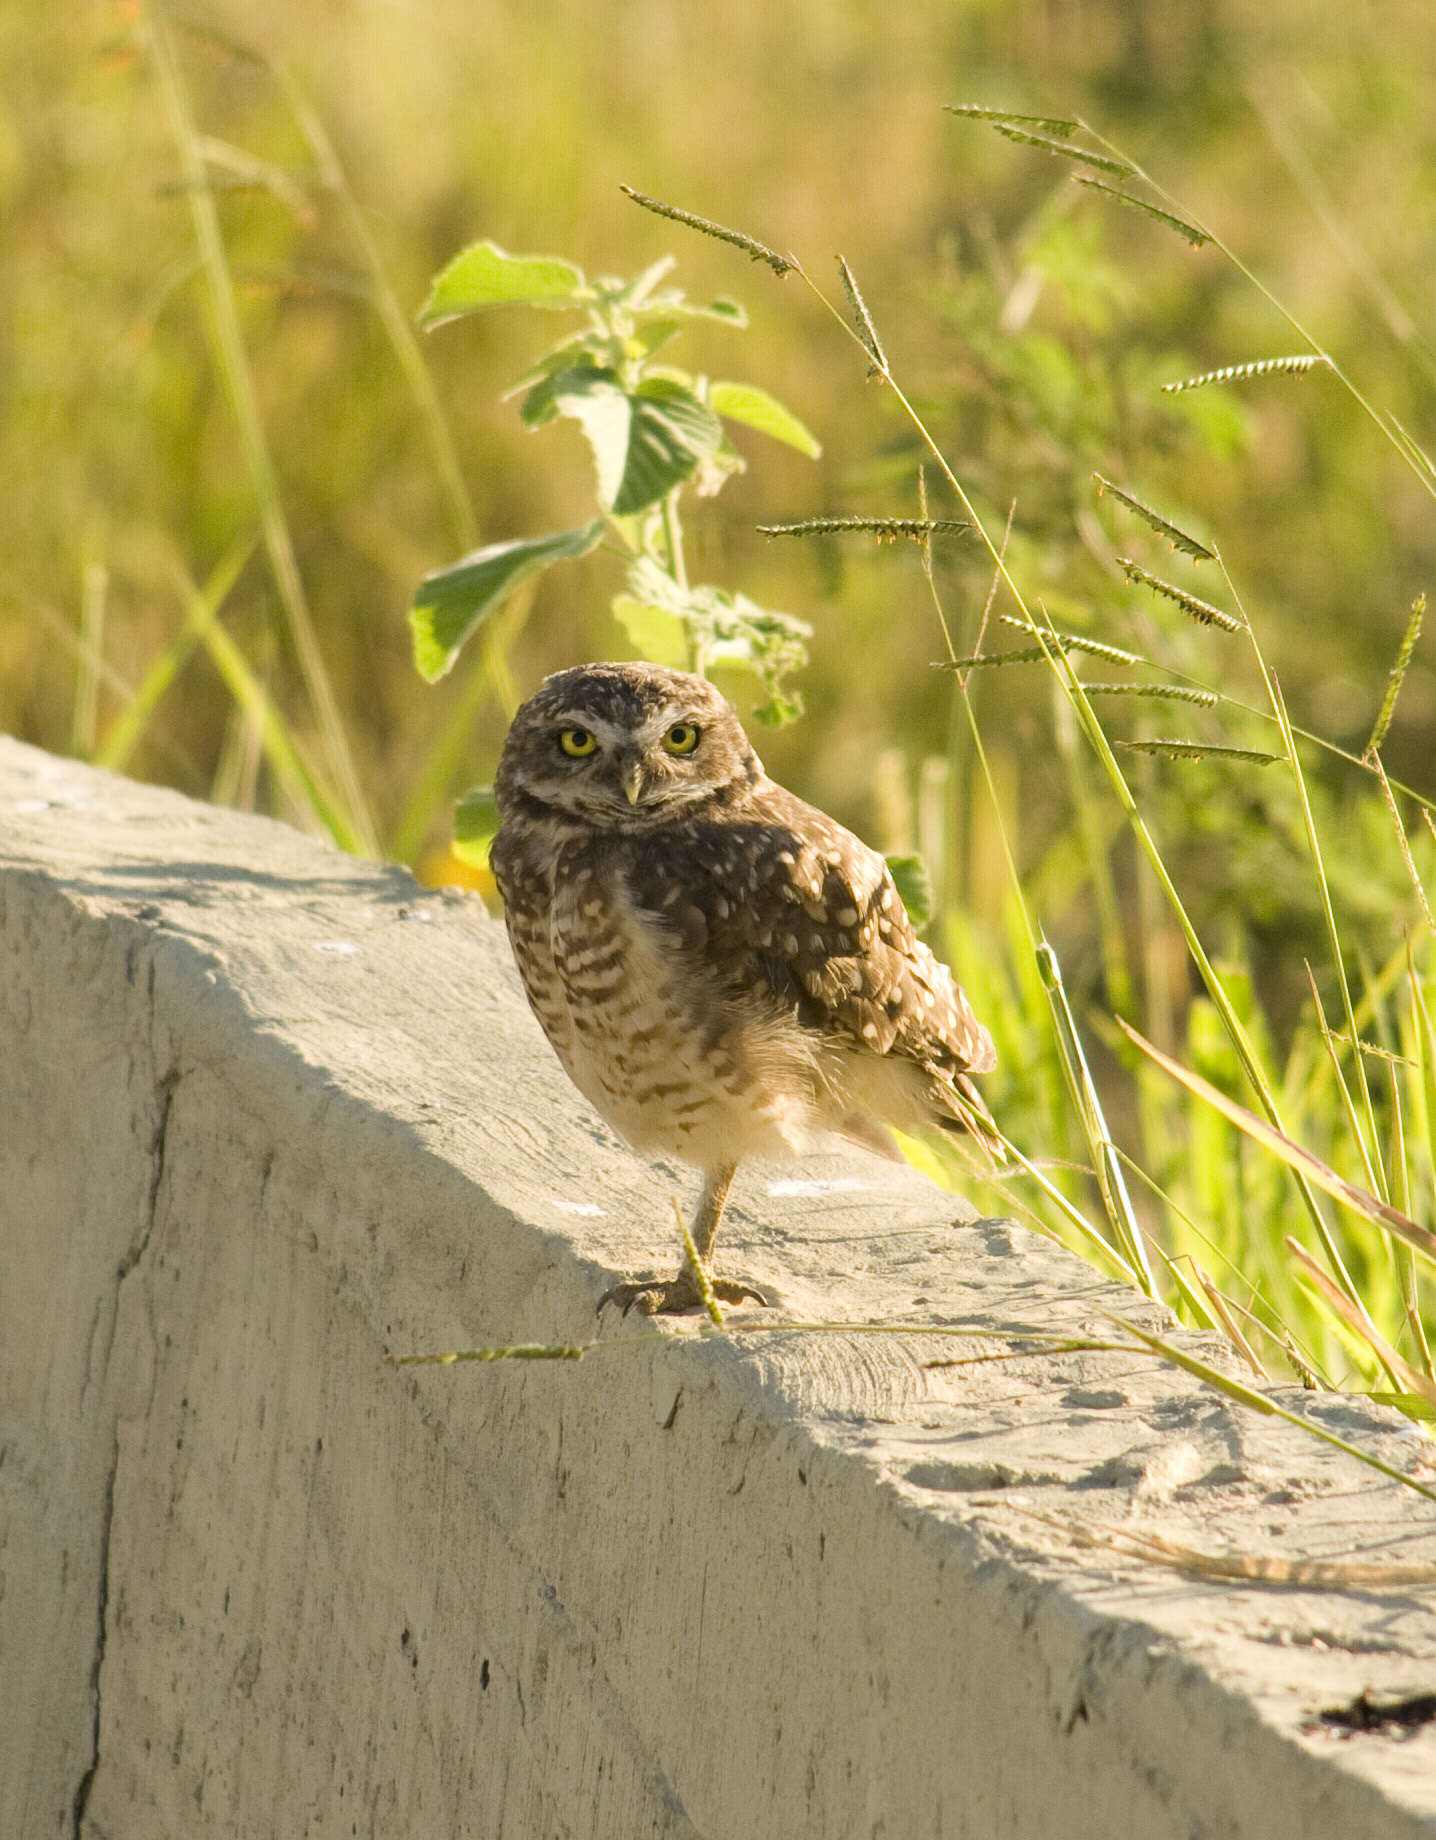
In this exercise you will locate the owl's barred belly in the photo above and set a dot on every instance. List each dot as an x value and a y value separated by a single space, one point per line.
674 1067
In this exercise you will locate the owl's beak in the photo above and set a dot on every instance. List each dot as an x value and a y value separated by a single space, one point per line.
631 780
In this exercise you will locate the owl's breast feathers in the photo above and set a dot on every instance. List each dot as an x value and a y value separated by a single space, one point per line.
780 899
522 860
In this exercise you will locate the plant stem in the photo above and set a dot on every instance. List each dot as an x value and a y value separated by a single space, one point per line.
356 828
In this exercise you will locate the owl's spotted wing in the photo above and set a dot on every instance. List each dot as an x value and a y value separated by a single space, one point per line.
782 899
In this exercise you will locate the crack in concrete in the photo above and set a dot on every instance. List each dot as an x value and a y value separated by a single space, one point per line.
106 1315
102 1607
158 1152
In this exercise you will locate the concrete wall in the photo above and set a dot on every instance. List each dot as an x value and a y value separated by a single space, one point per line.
266 1114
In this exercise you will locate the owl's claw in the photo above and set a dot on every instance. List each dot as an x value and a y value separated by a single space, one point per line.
669 1296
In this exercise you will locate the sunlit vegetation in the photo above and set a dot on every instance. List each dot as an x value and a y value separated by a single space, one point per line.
1101 605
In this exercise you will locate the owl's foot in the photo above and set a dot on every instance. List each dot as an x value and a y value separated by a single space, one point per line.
669 1296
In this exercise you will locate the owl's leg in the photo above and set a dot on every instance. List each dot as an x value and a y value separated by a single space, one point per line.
665 1296
703 1228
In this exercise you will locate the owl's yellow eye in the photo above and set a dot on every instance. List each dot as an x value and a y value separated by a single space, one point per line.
577 742
682 738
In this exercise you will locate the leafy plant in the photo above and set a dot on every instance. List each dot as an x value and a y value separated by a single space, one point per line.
655 431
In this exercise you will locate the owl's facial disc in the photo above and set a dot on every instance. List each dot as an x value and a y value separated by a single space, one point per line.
605 769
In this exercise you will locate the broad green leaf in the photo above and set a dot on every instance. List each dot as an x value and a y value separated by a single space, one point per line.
643 444
656 631
483 275
538 406
476 824
914 885
541 403
583 348
728 312
652 334
693 421
451 602
755 408
577 353
600 407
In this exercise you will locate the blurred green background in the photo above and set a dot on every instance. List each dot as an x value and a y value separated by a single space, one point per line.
1031 320
347 149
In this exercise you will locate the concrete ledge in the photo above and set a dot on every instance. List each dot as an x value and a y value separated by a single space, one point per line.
267 1113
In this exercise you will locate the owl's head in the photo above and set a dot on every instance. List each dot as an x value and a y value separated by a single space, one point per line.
623 747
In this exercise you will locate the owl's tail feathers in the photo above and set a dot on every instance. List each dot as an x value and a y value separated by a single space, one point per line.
857 1128
961 1108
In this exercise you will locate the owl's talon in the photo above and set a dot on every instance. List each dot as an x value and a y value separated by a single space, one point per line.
670 1296
729 1290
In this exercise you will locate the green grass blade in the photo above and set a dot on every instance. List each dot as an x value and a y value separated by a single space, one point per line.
94 596
1110 1180
1358 1320
1331 1044
1263 1403
1403 842
1369 1207
1425 1030
493 637
1402 1256
1092 727
134 719
1366 1145
295 775
243 400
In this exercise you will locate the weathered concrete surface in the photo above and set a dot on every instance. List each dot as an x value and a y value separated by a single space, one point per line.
266 1113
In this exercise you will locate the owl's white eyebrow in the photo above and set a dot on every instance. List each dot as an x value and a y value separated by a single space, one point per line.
608 732
668 717
585 718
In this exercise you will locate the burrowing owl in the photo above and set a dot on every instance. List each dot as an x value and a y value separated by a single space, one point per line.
722 970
